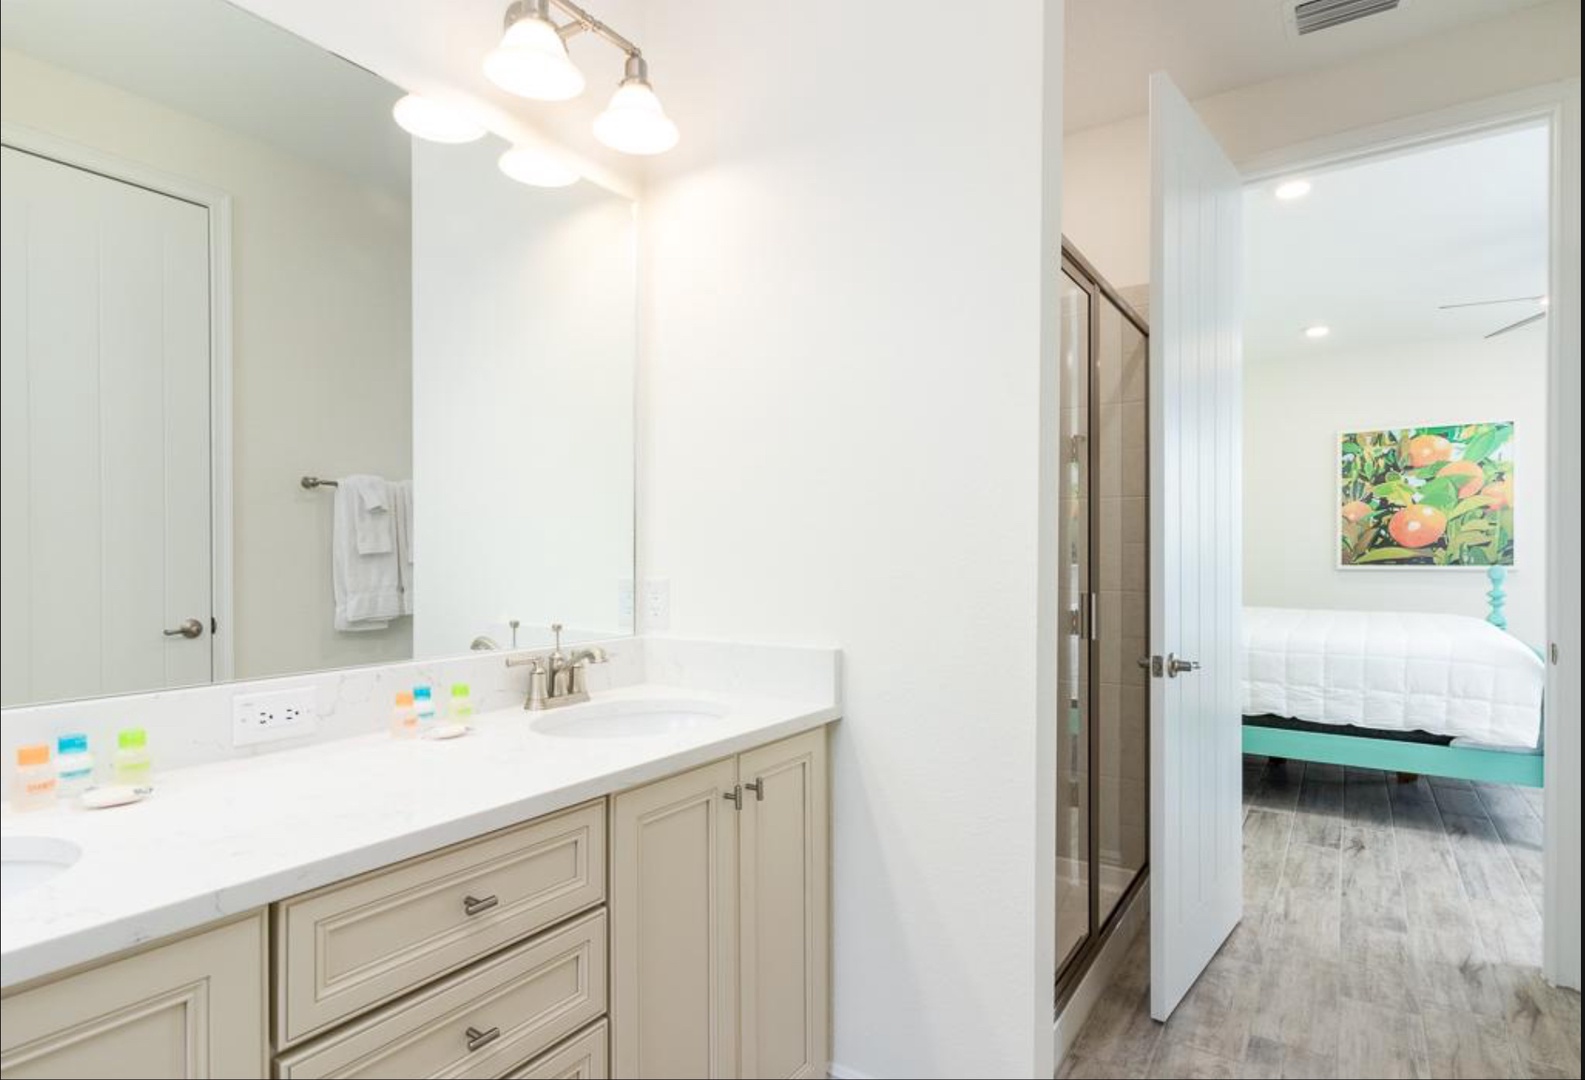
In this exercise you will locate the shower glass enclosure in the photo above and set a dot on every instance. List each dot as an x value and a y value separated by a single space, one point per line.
1103 751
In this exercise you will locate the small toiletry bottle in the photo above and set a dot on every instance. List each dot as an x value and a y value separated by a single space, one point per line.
404 717
131 764
424 702
74 766
461 703
34 786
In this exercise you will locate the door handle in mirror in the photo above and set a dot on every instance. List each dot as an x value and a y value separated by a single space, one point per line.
190 628
1177 666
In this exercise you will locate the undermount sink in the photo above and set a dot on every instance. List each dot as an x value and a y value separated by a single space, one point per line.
29 861
628 719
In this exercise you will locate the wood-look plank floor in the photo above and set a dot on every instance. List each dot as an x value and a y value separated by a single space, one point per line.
1390 929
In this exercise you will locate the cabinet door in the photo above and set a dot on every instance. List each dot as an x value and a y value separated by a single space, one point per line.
193 1008
784 909
673 908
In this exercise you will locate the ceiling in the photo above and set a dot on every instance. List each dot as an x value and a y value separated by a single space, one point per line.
1209 46
1377 246
221 64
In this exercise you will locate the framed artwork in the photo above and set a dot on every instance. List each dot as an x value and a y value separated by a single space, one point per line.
1437 496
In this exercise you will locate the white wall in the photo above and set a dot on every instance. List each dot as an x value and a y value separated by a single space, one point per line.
320 349
524 341
1106 182
843 338
1293 411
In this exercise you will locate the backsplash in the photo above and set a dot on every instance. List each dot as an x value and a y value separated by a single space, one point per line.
193 725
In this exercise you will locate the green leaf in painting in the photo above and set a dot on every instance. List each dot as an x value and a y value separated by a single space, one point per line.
1395 491
1485 444
1474 502
1442 494
1388 554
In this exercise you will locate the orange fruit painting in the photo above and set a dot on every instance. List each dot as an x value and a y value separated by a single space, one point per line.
1438 496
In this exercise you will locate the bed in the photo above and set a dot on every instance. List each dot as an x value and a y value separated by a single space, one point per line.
1422 693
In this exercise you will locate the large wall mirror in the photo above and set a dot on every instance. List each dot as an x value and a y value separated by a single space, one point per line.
227 270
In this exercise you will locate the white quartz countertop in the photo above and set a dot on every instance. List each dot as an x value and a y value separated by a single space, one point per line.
224 838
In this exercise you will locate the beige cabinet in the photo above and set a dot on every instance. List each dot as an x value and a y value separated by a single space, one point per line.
582 1057
783 910
352 945
673 907
195 1007
480 1022
719 910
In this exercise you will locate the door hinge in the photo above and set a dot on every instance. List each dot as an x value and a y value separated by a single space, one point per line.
1552 652
214 625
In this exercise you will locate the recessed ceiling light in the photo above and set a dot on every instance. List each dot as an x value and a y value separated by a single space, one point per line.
1293 189
1316 333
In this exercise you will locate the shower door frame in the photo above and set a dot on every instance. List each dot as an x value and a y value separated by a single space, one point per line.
1072 969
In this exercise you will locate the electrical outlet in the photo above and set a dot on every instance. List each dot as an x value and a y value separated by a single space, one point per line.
624 603
273 716
657 606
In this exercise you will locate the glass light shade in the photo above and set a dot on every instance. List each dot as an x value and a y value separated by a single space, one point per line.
634 122
536 168
433 121
532 62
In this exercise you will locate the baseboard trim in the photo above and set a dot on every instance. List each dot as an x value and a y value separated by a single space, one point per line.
842 1072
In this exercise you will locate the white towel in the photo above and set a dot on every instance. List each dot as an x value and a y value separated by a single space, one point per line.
374 513
402 511
367 587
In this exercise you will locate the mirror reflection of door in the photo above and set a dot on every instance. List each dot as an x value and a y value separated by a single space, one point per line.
106 460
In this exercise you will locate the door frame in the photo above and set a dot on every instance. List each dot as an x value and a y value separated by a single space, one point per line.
1557 105
217 204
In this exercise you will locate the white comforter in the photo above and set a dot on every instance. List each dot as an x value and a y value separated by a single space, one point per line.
1447 674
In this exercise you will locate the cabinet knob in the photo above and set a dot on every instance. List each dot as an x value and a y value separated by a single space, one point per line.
735 796
758 788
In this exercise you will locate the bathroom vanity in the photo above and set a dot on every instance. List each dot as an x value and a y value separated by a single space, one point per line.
633 887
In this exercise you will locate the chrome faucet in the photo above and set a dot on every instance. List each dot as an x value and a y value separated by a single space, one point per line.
560 680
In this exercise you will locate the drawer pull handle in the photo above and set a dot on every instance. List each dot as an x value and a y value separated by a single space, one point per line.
477 1039
472 905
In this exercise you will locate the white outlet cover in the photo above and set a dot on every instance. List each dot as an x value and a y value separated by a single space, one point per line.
273 716
657 605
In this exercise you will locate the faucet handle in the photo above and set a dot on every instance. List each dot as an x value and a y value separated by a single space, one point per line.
555 628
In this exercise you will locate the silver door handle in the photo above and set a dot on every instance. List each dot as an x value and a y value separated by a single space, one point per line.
1176 666
472 905
190 628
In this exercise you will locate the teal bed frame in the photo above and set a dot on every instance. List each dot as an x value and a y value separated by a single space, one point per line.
1459 762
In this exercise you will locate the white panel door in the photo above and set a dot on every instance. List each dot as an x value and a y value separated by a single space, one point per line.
1196 871
106 465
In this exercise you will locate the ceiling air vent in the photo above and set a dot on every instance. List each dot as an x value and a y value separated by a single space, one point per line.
1312 15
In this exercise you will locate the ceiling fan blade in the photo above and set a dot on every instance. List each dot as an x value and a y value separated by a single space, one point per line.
1537 317
1484 303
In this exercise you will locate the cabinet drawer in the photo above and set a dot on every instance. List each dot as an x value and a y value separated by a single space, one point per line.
193 1007
352 945
582 1057
478 1022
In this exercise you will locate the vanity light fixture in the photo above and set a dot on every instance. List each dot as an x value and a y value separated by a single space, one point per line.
429 119
532 59
634 122
1293 189
532 62
535 167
